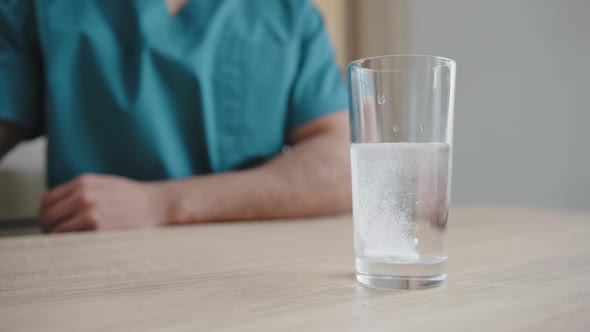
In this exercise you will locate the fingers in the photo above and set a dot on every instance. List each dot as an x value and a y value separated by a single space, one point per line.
84 221
59 192
65 201
59 210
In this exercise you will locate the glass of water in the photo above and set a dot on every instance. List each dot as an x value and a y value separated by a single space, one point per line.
401 123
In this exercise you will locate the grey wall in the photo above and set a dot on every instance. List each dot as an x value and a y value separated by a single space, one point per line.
22 177
522 130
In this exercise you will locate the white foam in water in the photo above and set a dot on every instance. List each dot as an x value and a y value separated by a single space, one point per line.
399 195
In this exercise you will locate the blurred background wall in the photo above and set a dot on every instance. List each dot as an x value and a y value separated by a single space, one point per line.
522 117
22 176
522 122
522 130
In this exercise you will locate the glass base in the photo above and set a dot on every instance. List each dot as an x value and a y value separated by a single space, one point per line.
390 282
401 276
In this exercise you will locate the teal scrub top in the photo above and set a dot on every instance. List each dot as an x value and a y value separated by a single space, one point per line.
124 88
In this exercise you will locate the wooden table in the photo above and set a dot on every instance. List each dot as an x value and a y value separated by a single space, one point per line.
509 270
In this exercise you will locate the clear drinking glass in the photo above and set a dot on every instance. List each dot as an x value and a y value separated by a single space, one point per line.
401 123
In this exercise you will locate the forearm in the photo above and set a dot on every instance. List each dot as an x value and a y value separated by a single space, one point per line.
312 178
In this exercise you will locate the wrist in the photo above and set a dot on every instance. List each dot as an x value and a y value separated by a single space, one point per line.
178 209
166 201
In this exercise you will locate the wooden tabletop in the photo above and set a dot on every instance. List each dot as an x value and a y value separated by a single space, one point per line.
509 270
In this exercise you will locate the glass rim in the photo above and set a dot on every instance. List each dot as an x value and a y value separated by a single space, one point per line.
447 62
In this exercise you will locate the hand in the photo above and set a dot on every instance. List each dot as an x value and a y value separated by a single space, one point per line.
100 202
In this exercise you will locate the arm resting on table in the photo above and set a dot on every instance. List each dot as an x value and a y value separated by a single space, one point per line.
312 178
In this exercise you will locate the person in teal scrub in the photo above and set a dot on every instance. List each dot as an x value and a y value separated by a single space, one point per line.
173 111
